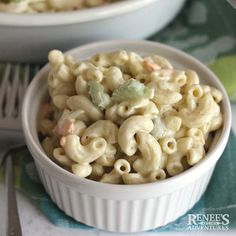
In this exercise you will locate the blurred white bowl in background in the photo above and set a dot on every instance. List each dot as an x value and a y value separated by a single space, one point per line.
29 37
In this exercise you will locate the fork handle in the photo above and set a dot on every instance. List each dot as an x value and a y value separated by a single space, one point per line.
14 227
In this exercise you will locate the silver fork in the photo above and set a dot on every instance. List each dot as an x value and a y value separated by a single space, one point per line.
12 90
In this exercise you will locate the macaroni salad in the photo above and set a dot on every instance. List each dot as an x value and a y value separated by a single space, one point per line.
123 118
37 6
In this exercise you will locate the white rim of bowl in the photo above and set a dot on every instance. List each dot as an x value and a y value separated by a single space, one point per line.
72 17
186 176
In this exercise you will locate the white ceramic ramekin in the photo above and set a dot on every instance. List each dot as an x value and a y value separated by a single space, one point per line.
124 208
29 37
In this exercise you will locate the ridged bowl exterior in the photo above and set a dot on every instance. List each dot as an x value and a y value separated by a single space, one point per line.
124 215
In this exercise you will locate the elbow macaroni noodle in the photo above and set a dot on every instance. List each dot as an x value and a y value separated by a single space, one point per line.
37 6
158 121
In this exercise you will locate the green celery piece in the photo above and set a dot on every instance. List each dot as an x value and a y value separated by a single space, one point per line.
131 89
99 97
225 69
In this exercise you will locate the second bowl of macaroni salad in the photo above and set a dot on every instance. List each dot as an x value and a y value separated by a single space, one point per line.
123 118
39 6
